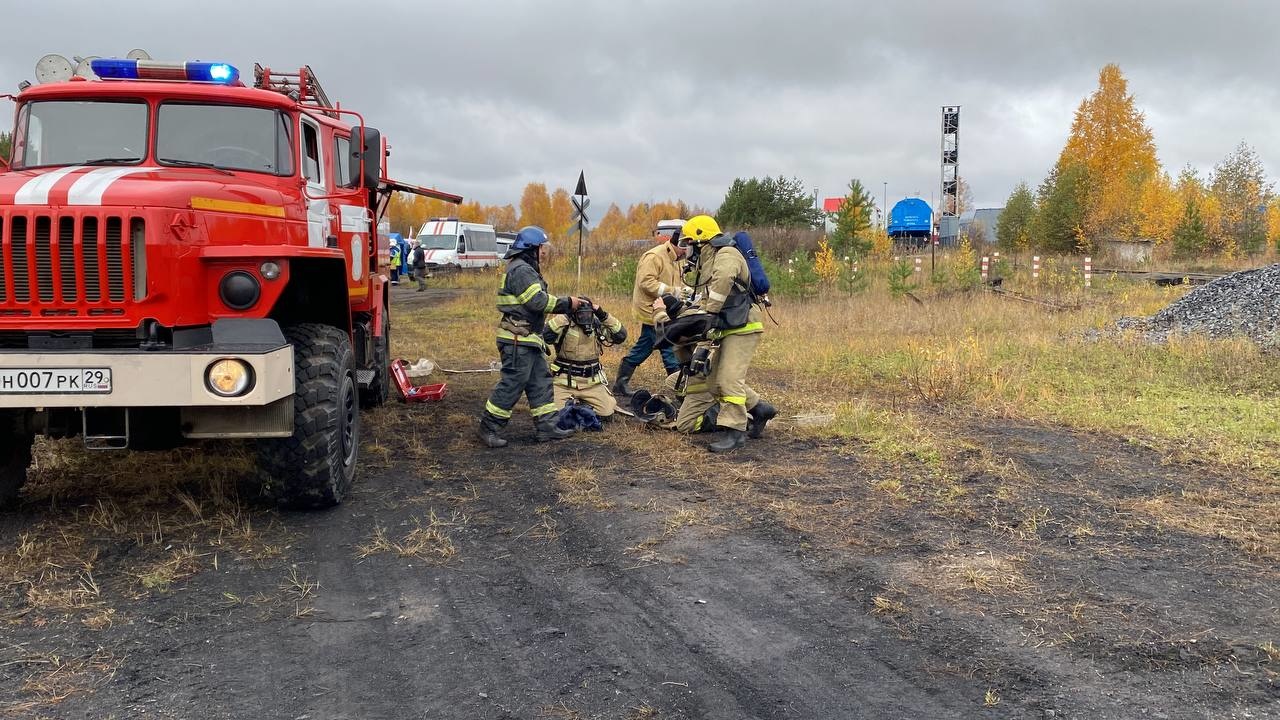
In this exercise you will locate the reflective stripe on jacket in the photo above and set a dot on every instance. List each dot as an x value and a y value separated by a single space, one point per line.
575 347
524 303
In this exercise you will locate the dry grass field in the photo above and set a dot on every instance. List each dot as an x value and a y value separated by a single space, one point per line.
970 506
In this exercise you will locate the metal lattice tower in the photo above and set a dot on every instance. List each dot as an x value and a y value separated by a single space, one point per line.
950 160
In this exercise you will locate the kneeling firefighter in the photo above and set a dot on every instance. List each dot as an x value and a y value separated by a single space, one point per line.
579 339
524 303
722 286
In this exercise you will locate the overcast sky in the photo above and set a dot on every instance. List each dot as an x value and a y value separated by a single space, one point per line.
660 99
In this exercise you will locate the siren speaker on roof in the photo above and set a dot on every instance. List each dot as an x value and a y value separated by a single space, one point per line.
54 68
84 70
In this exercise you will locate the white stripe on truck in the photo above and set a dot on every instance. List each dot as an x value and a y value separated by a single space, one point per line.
36 190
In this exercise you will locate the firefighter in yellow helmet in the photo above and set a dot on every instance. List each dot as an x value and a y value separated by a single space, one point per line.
722 288
579 338
688 388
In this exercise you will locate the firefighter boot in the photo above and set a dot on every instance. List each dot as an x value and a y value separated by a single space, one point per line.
622 383
758 417
547 430
488 431
707 423
730 440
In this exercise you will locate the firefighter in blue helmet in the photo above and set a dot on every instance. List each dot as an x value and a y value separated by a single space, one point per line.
524 303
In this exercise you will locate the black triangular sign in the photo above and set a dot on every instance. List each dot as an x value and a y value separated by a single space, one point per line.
582 184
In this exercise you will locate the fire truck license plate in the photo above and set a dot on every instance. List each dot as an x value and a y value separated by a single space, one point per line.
30 381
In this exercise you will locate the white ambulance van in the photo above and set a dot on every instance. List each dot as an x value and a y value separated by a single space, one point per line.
452 244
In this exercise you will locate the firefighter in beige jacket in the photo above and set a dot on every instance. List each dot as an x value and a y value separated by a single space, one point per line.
657 274
579 339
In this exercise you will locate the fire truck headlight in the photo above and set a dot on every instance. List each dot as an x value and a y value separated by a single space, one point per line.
229 377
239 290
269 270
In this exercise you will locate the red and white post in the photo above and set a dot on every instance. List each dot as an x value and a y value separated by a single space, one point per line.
986 269
919 266
1035 267
1088 272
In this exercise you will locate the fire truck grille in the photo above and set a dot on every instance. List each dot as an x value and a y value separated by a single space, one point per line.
60 263
44 261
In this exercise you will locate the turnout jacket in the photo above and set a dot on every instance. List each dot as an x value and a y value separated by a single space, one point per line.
577 360
724 280
524 303
657 273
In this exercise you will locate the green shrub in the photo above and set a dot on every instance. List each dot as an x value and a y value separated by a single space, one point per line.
853 278
795 277
900 277
622 275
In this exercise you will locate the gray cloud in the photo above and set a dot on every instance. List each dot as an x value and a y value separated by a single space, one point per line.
660 99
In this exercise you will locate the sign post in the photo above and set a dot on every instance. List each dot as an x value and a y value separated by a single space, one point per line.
580 204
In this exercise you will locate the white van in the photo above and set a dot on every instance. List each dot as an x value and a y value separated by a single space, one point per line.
452 244
505 240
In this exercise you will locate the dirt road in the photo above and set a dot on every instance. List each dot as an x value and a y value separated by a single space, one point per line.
613 577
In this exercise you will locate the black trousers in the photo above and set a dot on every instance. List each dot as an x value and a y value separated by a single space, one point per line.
524 372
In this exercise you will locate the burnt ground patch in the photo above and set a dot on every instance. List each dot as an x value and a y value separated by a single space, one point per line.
1034 572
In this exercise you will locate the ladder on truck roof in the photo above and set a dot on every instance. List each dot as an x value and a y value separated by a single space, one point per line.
302 86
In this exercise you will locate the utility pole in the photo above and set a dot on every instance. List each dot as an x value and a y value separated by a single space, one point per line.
884 205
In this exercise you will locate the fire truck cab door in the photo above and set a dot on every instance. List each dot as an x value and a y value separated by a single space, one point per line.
319 216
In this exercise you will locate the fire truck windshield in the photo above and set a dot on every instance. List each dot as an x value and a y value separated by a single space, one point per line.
75 132
231 137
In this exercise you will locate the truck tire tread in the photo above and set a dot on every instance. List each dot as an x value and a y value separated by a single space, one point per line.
15 457
308 470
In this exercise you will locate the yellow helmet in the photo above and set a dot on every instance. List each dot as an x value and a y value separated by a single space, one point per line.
700 229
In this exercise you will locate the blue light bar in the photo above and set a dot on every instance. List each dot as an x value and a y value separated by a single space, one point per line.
118 69
212 72
115 69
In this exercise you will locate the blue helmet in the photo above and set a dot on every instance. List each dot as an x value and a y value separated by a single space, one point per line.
530 236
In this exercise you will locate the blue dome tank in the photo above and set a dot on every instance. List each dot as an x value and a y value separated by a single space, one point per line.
910 217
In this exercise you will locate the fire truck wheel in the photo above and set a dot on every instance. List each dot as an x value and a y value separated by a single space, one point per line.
380 389
15 457
315 466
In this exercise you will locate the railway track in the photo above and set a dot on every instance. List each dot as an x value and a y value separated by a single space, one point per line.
1165 278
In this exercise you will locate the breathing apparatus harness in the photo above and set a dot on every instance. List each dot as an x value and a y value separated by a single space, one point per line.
589 318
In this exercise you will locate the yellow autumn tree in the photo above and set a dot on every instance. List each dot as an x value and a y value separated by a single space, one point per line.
401 215
561 214
407 213
502 217
471 212
639 222
1159 209
1192 190
535 206
1273 223
824 262
1112 145
612 225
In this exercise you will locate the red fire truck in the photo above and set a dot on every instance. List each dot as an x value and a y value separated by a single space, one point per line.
183 257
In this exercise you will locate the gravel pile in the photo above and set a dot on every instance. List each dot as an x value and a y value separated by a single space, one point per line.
1244 304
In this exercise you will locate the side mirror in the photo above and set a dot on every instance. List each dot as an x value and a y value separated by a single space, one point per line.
366 146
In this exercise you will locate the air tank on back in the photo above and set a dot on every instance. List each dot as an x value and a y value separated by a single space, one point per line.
911 222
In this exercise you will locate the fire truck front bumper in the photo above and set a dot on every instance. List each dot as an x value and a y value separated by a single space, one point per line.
235 381
213 376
